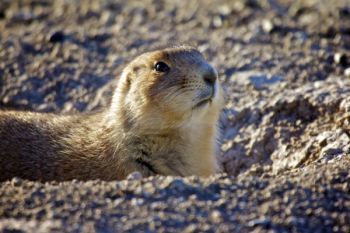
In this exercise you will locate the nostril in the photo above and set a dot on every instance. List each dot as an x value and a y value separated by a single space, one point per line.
210 78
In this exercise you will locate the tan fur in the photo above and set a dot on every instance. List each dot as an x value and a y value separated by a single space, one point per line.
152 126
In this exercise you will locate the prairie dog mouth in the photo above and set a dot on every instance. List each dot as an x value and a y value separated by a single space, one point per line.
205 97
204 102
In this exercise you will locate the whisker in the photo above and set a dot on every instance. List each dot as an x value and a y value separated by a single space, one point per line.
177 94
182 88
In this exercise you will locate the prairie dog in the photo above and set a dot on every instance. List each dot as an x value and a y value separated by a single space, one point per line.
162 120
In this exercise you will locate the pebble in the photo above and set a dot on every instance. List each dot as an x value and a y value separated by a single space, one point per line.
267 26
217 21
134 176
347 72
16 182
257 222
216 216
340 58
256 79
225 10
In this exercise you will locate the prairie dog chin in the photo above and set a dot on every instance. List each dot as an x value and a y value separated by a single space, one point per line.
162 120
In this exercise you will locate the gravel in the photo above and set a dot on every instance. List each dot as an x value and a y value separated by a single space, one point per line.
315 199
285 128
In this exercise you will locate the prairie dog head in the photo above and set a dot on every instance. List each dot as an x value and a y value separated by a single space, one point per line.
165 89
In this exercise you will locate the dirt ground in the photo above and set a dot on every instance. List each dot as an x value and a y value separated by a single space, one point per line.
285 68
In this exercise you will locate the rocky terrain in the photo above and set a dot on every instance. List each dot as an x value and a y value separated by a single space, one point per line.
285 67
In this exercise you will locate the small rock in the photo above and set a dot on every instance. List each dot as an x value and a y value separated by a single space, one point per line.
191 228
225 10
267 26
256 79
259 222
347 72
16 181
106 17
137 201
134 176
260 82
216 216
340 58
337 143
217 21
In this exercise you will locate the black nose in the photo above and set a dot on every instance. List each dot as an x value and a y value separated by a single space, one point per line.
210 77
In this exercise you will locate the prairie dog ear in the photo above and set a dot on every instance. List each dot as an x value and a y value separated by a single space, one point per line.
131 72
125 78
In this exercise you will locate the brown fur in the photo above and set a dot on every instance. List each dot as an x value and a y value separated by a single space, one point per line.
152 126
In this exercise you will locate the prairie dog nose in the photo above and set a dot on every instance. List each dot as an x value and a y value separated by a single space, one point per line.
210 76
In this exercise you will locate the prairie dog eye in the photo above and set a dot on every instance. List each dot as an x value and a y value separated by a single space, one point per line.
161 67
